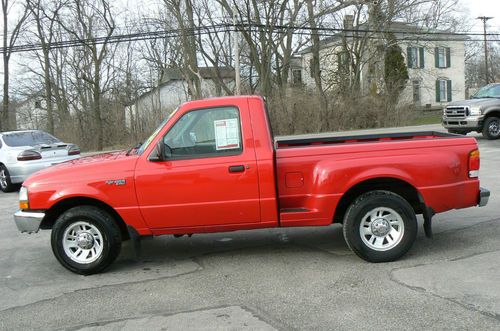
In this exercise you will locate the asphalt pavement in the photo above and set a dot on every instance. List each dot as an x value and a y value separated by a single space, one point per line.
273 279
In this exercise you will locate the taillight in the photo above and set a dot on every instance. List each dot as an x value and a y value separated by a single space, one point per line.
474 164
29 155
74 150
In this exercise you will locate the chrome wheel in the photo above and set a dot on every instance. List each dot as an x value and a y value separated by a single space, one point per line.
82 242
494 128
3 179
381 229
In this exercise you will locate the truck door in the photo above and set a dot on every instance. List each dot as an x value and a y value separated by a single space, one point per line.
210 177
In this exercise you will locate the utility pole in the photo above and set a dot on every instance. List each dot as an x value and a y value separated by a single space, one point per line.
484 19
236 46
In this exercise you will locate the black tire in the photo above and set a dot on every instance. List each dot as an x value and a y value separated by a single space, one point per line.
97 219
361 208
458 132
491 128
5 183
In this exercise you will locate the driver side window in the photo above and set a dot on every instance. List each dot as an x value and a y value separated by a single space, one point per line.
205 133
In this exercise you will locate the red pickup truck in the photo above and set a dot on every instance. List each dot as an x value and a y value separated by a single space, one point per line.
214 166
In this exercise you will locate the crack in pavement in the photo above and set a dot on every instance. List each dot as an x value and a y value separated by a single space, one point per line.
259 315
419 289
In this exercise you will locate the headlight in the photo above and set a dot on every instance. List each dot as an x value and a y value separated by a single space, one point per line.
475 111
23 198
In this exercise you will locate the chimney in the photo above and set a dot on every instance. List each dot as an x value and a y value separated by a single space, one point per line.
348 22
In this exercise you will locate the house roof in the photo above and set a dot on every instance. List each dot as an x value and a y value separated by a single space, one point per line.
170 74
401 31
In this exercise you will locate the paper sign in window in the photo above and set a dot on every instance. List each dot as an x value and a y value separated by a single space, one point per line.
227 134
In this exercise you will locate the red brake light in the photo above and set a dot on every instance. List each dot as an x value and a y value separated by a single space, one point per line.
474 164
74 150
29 155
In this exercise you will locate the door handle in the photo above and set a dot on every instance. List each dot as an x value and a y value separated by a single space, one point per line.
237 168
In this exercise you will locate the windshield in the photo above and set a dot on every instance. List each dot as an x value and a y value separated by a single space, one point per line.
489 91
30 138
155 132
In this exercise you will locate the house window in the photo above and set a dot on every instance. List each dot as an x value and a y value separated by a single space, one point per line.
442 57
416 91
415 57
443 90
297 76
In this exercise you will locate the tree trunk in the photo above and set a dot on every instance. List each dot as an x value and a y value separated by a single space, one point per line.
4 123
316 70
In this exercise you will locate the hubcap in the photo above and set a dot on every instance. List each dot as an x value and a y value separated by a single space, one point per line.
381 229
83 242
494 128
3 179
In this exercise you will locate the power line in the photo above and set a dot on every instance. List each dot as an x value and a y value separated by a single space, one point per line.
250 27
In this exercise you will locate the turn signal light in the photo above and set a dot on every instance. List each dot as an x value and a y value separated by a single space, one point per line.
474 164
24 205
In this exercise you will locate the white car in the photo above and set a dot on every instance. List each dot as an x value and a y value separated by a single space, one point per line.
23 153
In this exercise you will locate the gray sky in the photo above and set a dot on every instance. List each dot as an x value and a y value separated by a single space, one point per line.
484 8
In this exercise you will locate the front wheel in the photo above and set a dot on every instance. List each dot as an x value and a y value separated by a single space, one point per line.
491 128
86 240
380 226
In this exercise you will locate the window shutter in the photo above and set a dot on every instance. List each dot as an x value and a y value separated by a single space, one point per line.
448 90
421 51
438 95
408 56
436 57
448 57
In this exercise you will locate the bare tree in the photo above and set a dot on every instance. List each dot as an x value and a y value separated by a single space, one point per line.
183 12
88 18
9 40
44 15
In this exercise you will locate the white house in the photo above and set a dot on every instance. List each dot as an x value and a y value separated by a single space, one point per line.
172 91
435 62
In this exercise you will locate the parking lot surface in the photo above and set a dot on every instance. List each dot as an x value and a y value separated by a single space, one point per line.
273 279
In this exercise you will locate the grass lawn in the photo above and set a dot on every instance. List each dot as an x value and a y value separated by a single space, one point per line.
428 117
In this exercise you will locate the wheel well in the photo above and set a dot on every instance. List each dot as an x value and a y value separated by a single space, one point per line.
494 113
59 208
398 186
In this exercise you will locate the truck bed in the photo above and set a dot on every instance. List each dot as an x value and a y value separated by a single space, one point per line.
301 141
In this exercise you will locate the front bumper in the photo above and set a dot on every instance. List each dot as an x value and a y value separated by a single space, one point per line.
28 221
472 123
484 196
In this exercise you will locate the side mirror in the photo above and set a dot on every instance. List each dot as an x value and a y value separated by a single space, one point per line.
162 152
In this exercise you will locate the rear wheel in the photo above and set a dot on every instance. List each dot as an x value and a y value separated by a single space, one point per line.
5 183
86 240
491 128
380 226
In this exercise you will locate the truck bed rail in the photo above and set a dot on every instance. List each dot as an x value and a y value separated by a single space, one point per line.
330 140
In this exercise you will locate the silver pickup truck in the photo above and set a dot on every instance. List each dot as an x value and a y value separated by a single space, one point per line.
481 113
